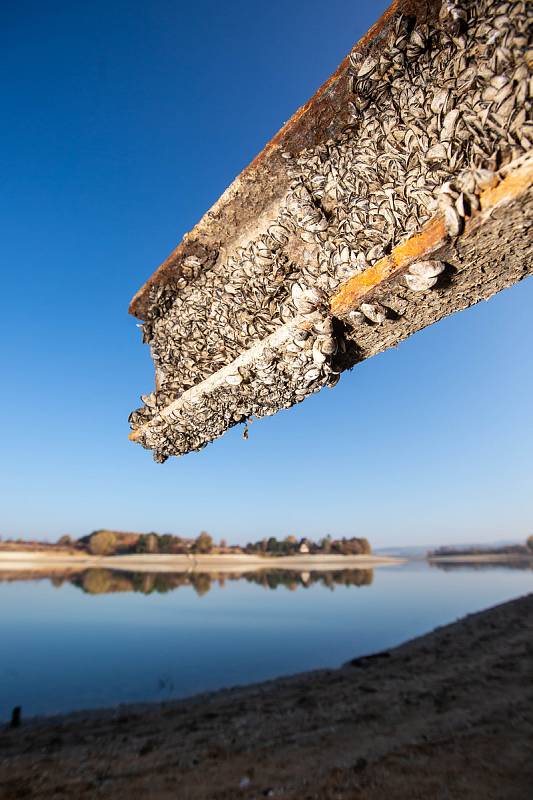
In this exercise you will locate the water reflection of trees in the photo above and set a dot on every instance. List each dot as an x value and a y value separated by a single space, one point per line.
106 581
292 580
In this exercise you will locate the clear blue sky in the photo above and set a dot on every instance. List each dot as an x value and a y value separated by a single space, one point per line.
122 122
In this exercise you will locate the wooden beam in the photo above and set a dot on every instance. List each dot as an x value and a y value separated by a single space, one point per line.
517 182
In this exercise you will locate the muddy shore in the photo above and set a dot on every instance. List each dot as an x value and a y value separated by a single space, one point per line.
447 715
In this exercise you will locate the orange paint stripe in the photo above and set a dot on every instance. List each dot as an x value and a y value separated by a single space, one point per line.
422 244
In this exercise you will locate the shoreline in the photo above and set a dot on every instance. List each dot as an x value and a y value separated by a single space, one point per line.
432 713
482 558
139 562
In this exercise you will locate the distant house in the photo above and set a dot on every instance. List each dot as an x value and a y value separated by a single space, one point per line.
304 547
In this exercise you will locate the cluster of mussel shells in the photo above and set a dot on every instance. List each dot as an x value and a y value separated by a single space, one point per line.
282 374
431 120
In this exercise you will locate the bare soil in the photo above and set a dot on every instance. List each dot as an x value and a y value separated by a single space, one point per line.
448 715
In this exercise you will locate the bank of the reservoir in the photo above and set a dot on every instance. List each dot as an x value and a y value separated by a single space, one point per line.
449 714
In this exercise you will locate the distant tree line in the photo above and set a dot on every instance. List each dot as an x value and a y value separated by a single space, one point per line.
505 550
107 542
168 543
355 546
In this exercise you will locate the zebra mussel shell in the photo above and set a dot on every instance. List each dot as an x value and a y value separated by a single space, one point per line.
427 269
423 275
374 312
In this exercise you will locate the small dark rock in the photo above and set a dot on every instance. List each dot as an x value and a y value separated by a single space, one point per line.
16 717
147 747
365 661
54 743
307 700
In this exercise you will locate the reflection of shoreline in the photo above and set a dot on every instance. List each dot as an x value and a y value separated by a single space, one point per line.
106 581
522 560
450 564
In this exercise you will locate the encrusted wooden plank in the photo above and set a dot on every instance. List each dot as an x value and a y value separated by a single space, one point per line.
493 252
379 190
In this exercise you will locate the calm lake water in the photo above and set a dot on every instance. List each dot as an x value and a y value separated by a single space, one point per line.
110 638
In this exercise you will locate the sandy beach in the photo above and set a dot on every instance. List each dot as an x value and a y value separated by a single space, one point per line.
46 562
448 715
